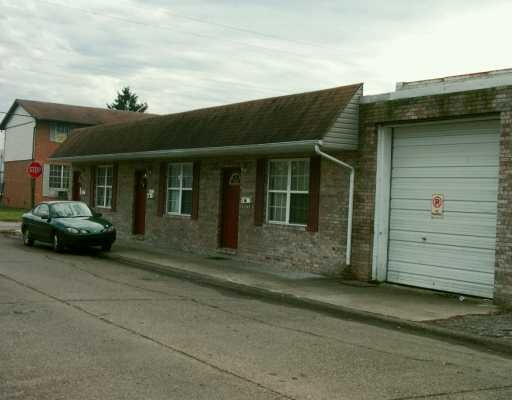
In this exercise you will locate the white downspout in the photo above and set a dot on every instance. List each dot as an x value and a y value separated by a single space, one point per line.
350 198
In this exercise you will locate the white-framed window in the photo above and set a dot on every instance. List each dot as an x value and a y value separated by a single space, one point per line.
103 187
58 177
179 188
59 132
288 191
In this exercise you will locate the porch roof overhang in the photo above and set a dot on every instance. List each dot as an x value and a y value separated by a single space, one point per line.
305 146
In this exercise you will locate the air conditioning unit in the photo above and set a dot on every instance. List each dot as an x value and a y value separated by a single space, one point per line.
62 194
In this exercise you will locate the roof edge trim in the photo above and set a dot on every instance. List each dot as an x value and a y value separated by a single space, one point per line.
264 148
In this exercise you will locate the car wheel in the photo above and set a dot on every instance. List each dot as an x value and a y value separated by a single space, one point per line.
106 246
27 238
57 243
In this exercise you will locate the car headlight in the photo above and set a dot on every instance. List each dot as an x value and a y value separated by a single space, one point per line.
84 231
109 228
72 230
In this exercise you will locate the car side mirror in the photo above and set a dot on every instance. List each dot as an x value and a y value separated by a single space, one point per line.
45 216
98 214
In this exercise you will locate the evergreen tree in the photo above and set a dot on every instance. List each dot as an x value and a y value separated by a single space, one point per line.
126 100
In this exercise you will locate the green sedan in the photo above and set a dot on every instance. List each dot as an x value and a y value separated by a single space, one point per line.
67 224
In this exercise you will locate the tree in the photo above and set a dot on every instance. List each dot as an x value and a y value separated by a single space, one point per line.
126 100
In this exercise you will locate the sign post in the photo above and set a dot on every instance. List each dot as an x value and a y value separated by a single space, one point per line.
35 170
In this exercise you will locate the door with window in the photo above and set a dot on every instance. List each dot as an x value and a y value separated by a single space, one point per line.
139 203
75 193
230 208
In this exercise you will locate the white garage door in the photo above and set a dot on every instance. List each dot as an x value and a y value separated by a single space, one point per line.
453 251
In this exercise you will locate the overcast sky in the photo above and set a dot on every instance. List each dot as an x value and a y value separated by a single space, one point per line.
180 55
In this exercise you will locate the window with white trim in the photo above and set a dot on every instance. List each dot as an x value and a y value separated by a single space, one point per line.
59 176
59 132
179 188
288 191
103 187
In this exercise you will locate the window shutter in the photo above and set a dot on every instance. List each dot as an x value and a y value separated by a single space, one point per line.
314 193
115 169
195 190
92 190
259 197
162 188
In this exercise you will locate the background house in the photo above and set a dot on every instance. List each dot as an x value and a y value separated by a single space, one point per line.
33 131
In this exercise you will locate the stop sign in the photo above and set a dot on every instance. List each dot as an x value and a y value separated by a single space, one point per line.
35 169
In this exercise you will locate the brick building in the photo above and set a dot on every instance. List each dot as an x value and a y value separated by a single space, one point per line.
270 180
33 131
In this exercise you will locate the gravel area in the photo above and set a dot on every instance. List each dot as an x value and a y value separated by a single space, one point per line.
497 326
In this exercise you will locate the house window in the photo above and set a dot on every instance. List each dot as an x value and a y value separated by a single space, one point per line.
288 191
104 186
179 188
59 176
59 132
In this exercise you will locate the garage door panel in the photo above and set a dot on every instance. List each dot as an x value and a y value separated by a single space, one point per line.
480 288
448 257
454 251
453 189
449 139
479 207
488 243
481 225
444 172
450 155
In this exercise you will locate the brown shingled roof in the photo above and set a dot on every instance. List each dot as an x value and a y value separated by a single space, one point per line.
74 114
298 117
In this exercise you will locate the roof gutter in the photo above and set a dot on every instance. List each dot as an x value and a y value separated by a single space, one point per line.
348 253
251 149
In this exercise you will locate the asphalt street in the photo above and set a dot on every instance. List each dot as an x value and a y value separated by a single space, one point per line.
75 326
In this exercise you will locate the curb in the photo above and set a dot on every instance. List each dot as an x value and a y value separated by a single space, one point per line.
486 343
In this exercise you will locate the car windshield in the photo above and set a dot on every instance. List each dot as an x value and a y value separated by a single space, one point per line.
68 210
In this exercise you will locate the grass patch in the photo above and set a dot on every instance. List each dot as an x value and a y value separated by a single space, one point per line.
11 214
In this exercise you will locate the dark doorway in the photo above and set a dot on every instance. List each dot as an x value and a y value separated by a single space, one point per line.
139 203
75 192
230 208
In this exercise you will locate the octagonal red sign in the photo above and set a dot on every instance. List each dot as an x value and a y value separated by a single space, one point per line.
35 169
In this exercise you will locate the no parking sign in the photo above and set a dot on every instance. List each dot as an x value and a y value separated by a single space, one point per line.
437 204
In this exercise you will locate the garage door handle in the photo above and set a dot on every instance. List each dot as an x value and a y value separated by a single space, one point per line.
424 238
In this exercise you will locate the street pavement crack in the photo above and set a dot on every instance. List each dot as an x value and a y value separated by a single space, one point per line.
150 339
434 395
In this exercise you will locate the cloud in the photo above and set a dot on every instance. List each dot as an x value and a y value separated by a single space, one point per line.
190 54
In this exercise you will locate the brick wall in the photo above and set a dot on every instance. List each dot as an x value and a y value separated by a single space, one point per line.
17 189
289 247
504 227
43 149
497 101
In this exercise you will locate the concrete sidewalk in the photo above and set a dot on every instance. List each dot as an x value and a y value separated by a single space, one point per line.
10 227
399 307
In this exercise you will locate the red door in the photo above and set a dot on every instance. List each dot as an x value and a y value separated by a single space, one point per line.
139 204
75 192
230 207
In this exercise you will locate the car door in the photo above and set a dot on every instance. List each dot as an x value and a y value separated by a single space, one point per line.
40 225
30 221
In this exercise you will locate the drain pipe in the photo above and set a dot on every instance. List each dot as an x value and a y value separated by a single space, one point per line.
350 199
